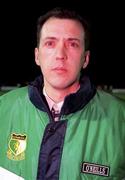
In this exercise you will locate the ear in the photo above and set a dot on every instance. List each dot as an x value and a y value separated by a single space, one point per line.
86 59
36 52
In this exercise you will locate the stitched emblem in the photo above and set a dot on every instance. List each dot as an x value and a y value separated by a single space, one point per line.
17 147
95 169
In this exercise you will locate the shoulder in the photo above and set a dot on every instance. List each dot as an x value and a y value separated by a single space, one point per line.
109 103
109 99
14 95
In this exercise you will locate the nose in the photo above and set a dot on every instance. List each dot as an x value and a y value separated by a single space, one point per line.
61 52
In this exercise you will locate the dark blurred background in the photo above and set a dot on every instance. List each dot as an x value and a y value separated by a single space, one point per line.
18 40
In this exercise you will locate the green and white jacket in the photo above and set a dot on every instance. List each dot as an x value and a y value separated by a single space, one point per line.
87 143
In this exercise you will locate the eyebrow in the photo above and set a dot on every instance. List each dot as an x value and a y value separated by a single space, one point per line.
54 38
50 38
74 39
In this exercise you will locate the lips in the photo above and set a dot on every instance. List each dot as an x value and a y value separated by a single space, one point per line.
59 69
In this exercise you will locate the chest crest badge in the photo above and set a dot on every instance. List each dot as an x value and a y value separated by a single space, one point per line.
17 147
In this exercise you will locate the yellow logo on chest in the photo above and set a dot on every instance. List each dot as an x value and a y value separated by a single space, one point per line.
17 147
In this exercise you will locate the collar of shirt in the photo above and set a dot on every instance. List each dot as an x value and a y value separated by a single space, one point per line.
51 103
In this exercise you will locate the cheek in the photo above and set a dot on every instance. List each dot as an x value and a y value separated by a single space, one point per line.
77 61
47 53
45 65
47 57
75 69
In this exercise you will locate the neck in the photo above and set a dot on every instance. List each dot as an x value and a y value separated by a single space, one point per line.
58 95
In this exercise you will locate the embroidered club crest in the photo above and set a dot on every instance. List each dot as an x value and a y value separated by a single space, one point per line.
17 147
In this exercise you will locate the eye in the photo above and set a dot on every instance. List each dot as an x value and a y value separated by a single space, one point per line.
73 44
49 44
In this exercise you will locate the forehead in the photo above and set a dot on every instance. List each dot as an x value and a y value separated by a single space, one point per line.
62 27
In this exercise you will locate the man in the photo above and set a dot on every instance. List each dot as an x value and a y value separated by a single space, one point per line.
60 127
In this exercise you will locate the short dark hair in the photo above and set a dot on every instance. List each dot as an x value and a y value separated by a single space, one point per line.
64 13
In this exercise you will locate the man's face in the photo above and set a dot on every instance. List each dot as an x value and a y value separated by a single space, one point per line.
61 52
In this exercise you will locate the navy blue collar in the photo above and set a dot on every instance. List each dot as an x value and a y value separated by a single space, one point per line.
72 102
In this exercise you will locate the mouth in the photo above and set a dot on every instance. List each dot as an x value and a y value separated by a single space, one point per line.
59 69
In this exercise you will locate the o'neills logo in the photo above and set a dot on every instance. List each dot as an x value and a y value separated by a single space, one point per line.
95 169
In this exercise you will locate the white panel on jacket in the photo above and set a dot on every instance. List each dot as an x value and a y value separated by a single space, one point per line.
7 175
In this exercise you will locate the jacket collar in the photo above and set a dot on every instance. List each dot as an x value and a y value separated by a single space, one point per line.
72 102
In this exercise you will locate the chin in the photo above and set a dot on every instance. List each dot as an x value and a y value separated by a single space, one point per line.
59 85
